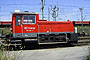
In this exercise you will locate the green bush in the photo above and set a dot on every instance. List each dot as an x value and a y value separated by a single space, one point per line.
5 31
86 29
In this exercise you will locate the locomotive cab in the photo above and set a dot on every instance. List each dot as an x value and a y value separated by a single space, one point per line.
24 24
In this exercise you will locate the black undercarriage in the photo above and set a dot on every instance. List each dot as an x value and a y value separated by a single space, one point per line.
22 43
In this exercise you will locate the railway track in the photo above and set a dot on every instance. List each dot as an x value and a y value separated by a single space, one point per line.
84 40
81 41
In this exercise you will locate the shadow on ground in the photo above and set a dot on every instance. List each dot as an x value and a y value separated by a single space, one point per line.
33 45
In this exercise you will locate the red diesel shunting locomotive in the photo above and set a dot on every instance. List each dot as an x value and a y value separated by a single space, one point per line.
28 26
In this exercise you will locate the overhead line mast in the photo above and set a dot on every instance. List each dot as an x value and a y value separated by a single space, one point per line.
81 17
42 9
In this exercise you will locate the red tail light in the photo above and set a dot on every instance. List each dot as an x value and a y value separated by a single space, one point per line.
11 29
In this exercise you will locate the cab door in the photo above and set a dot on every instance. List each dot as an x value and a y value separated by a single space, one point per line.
18 26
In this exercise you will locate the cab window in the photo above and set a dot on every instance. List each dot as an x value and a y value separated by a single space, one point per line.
29 19
18 20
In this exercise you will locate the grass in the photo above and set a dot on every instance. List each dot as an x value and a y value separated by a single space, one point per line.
88 58
6 54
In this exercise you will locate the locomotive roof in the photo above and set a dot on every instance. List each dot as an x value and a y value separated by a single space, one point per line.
23 13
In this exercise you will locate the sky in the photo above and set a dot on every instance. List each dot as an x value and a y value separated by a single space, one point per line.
68 9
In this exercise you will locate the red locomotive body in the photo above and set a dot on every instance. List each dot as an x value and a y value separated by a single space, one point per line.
22 26
27 26
55 26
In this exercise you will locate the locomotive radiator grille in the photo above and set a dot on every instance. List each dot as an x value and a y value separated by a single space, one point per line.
51 39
